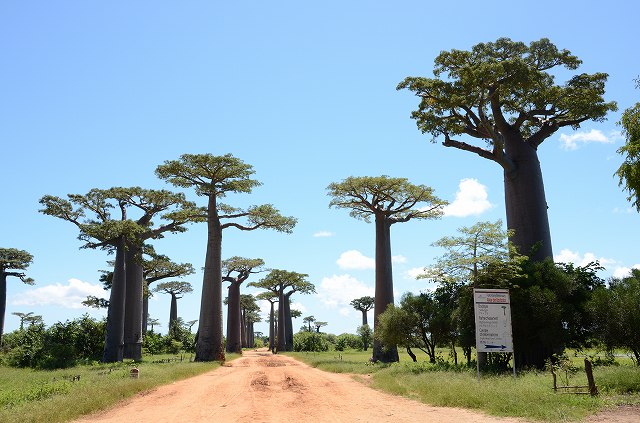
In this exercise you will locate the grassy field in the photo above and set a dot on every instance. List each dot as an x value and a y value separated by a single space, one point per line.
54 396
529 396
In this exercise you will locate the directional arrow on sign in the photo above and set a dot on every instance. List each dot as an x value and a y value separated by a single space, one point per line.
497 347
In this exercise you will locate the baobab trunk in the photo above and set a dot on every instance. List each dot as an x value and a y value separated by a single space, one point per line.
114 337
3 302
525 202
272 327
364 317
173 312
243 330
133 305
384 286
289 320
209 345
282 323
234 320
145 309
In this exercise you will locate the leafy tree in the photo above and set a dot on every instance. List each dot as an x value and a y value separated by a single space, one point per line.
318 325
236 270
310 341
366 336
308 322
616 314
629 171
125 236
502 94
176 289
12 263
363 304
389 201
214 177
29 318
346 341
153 322
284 283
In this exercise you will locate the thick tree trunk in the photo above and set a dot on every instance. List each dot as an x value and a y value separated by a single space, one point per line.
133 305
384 287
282 323
3 302
289 327
114 337
243 329
525 202
173 312
209 346
364 317
234 319
272 326
145 310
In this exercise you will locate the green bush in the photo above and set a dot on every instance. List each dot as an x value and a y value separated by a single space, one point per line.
310 341
348 341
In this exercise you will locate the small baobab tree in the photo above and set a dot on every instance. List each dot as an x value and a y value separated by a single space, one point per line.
363 304
176 289
13 262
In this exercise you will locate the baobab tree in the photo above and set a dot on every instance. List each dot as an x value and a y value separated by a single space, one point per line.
214 177
389 201
236 270
12 263
284 283
272 298
125 236
308 321
153 322
29 318
502 95
363 304
318 325
176 289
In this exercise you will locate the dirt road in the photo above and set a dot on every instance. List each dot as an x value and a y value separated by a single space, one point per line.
262 387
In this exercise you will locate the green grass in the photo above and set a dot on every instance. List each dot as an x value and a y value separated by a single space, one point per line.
530 396
52 396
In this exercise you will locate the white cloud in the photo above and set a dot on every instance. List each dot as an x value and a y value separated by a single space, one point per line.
568 256
471 199
398 259
298 306
571 142
68 296
414 272
339 290
323 234
623 272
354 259
344 311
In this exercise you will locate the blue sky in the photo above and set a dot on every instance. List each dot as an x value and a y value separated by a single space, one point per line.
98 94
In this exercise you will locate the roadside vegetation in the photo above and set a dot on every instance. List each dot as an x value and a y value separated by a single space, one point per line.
529 396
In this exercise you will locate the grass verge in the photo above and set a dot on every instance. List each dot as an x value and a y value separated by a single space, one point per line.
54 396
530 396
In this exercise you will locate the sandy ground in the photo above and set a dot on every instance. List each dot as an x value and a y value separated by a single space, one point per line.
262 387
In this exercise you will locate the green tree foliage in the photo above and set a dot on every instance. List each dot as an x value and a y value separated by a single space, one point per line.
629 171
389 201
310 341
308 321
363 305
499 100
12 263
348 341
59 346
366 336
214 177
616 314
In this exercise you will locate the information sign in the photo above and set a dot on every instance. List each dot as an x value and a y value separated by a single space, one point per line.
493 320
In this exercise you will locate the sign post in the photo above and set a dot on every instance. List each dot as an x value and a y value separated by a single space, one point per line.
492 309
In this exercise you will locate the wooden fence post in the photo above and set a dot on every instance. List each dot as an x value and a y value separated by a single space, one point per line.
593 389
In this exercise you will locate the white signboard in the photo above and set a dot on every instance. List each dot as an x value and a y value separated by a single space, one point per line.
493 320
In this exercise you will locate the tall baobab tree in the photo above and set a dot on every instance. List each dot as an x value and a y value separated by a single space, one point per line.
363 304
12 263
272 298
236 270
501 95
389 201
214 177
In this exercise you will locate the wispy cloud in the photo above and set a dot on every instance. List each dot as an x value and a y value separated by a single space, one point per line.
323 234
471 199
575 140
398 259
354 259
68 296
338 290
414 272
568 256
623 272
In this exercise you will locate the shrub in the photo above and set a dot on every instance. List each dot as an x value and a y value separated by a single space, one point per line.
310 341
348 341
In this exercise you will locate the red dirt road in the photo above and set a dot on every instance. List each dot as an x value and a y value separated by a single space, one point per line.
262 387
